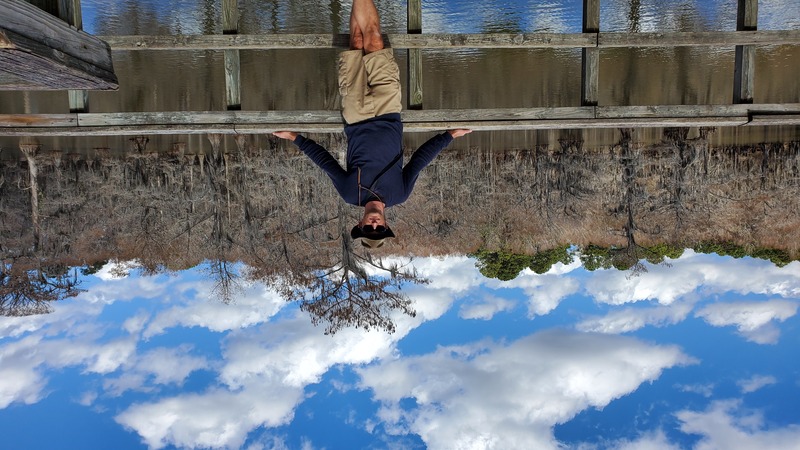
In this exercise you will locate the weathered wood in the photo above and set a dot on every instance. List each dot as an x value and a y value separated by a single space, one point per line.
616 112
230 26
70 12
230 17
698 39
40 47
744 62
78 101
258 122
233 95
324 116
38 120
775 119
590 57
441 40
298 41
414 90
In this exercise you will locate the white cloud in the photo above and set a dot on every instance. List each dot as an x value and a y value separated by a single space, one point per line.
755 383
255 305
693 272
218 418
545 292
22 372
654 440
265 370
753 320
626 320
494 396
727 425
485 308
706 390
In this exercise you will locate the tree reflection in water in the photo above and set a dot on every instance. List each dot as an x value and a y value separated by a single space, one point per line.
252 211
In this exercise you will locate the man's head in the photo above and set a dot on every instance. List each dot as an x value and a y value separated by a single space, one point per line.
372 228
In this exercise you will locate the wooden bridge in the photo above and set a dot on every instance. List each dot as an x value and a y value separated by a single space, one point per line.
741 111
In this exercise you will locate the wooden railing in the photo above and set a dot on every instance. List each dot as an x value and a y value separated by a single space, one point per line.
590 115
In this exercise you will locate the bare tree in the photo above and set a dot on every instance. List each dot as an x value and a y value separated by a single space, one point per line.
29 292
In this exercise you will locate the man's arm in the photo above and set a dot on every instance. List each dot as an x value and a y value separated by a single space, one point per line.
428 151
317 153
425 154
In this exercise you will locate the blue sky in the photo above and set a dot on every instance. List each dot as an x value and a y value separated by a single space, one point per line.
702 354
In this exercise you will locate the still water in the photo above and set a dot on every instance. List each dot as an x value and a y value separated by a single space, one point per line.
593 289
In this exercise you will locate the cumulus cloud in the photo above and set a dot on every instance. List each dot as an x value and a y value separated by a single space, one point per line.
653 440
485 308
631 319
218 418
256 305
726 424
694 272
755 383
490 395
753 320
22 376
265 371
544 292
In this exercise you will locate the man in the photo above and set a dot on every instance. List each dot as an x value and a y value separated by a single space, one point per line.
369 83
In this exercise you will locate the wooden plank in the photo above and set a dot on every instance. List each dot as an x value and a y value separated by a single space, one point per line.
698 39
70 12
297 41
774 119
414 56
233 122
616 112
233 95
230 26
590 57
38 120
498 125
230 17
442 40
39 46
745 59
323 116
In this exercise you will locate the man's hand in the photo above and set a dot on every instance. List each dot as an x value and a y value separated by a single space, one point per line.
290 135
457 133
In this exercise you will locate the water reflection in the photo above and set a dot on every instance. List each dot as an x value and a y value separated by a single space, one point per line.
560 357
262 204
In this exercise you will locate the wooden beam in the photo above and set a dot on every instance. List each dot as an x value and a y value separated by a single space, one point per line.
745 60
399 41
414 56
774 119
37 46
230 26
616 112
699 39
70 12
257 122
590 57
441 40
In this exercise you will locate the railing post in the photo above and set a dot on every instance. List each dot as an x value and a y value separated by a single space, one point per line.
744 66
70 11
230 25
414 56
590 60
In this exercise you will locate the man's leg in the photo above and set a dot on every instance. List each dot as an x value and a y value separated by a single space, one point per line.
365 25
